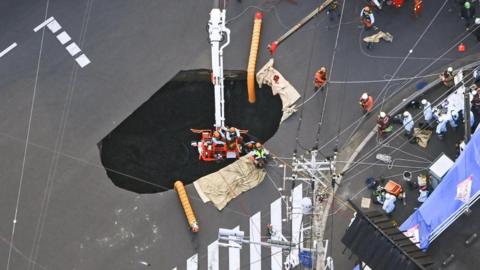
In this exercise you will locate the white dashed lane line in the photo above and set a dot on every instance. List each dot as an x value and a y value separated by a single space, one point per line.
9 48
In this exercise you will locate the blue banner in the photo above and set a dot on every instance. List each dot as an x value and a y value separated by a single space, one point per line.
457 187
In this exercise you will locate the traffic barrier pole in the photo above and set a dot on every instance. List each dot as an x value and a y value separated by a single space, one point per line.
182 195
252 59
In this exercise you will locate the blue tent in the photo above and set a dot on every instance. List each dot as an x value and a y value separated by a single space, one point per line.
458 187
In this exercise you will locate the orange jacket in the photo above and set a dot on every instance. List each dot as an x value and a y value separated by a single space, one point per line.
367 105
320 78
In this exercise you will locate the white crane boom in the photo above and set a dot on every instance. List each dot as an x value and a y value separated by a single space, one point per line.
218 33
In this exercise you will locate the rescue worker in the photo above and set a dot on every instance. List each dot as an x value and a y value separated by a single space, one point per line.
384 124
332 9
408 124
441 127
427 112
468 14
453 119
259 155
320 78
417 7
447 77
231 135
367 17
475 108
476 32
217 138
366 102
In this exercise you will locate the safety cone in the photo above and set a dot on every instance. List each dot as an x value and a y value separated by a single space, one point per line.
461 47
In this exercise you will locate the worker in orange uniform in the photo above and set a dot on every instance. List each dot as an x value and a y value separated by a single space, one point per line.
320 78
217 138
366 102
417 7
367 17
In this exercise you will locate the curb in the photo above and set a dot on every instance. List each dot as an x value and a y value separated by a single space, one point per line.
396 110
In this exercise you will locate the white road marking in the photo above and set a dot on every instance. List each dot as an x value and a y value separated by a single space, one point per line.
192 262
9 48
54 26
213 262
40 26
82 60
276 221
73 49
296 221
63 37
255 236
234 255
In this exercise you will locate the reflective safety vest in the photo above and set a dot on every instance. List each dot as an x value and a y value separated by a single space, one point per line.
259 153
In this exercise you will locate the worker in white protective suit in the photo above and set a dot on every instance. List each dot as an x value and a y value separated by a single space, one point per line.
453 118
408 124
441 126
427 112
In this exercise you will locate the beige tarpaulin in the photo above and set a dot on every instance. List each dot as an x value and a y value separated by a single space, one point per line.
422 136
378 36
224 185
288 94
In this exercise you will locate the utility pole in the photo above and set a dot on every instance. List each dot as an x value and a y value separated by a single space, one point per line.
320 174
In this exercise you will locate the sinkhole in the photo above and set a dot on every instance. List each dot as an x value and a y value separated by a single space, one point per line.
150 149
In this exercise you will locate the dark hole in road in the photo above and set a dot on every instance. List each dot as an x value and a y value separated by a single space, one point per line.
151 149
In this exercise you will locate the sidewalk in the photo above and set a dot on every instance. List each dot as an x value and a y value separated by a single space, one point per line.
405 156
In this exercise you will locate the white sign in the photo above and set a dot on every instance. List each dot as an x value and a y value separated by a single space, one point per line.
464 189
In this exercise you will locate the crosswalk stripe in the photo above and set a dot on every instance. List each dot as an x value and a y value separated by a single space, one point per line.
213 256
234 255
276 221
255 236
192 262
296 221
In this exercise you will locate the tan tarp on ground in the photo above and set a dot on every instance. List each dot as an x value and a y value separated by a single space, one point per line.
422 136
378 36
288 94
226 184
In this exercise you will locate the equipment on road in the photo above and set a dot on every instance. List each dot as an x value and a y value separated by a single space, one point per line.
209 147
252 59
182 195
272 47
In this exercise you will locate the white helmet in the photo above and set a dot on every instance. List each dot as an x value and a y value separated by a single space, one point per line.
424 101
474 92
364 96
449 69
383 114
477 21
406 113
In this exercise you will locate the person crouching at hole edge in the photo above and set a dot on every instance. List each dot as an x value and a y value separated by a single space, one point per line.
259 156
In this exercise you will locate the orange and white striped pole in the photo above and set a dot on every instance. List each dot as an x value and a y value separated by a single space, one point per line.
252 59
187 207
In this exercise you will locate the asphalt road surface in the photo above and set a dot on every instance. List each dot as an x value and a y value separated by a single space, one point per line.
59 209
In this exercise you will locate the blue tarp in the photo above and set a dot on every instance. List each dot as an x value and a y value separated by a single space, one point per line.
447 197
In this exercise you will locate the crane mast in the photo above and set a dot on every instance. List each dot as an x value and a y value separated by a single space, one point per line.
218 34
